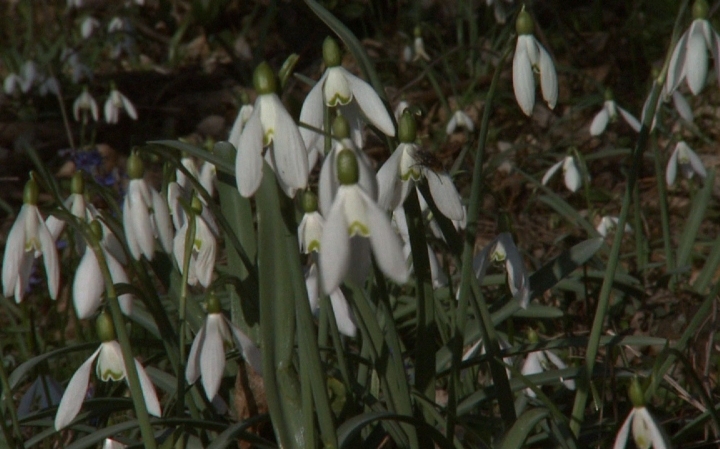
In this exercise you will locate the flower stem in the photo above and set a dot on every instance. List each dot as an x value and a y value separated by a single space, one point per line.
182 324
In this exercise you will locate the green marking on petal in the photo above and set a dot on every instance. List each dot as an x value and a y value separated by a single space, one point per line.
268 137
357 228
314 246
108 374
338 99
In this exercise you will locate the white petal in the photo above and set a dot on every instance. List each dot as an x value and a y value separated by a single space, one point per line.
385 244
551 171
74 394
452 125
335 253
136 221
548 77
343 314
179 247
312 113
696 163
623 433
682 107
312 285
205 260
517 276
243 116
129 107
630 119
118 276
657 439
288 148
572 174
446 197
336 89
370 103
328 184
523 81
148 391
696 61
390 183
212 355
161 218
111 112
192 370
676 68
88 285
671 170
50 256
249 162
558 362
14 254
250 351
599 122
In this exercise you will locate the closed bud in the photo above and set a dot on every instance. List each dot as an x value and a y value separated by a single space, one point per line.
407 127
341 127
97 230
635 392
309 202
31 192
77 184
524 23
105 327
264 79
196 205
135 166
700 9
331 52
213 303
347 167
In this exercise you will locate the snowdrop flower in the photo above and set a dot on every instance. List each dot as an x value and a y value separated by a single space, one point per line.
270 124
353 220
503 250
189 164
240 121
329 179
573 179
459 120
49 85
645 430
89 283
689 60
687 160
83 103
344 316
115 25
145 214
75 203
608 224
110 366
88 26
207 353
27 240
419 46
354 97
115 103
609 113
208 177
311 226
400 108
24 80
531 56
204 248
543 360
408 165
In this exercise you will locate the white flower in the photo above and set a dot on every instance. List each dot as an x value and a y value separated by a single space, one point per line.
49 85
404 169
609 113
207 353
539 361
25 80
242 118
459 120
353 219
503 249
341 309
328 184
270 124
531 56
208 176
573 179
689 60
75 202
89 284
204 251
354 97
608 224
400 108
145 216
419 49
687 160
191 167
110 366
109 443
310 232
115 25
88 26
115 103
85 102
645 430
28 239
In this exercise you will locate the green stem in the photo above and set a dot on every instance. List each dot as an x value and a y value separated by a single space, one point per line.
664 214
182 310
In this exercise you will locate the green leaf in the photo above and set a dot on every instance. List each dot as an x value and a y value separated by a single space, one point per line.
198 152
525 423
350 428
697 214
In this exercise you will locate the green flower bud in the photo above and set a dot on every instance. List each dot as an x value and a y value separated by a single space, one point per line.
341 127
196 205
700 10
532 336
97 231
77 184
264 79
407 127
417 31
635 392
609 94
331 52
309 202
105 327
347 167
31 192
213 304
524 23
135 166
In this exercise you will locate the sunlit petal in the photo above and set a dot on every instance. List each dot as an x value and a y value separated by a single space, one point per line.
249 161
192 370
548 78
385 244
212 355
696 61
335 256
523 81
624 432
288 147
88 285
370 103
250 351
74 394
446 197
148 391
551 171
343 314
599 122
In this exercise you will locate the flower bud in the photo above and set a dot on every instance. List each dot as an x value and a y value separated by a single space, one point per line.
331 52
196 205
700 9
135 166
347 167
636 393
341 127
417 31
609 94
532 336
97 231
77 184
213 304
407 127
31 192
309 202
524 23
264 79
105 327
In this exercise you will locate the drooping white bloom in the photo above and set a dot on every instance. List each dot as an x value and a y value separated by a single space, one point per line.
110 366
459 120
341 309
89 284
645 431
49 85
310 232
27 240
207 353
204 251
689 60
85 102
115 25
539 361
684 158
189 164
88 26
503 250
608 224
115 103
609 113
75 202
531 56
24 80
242 118
271 126
339 88
419 49
573 179
404 169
